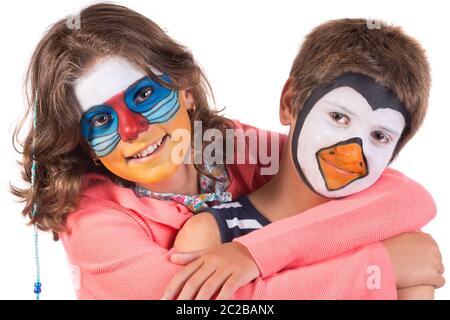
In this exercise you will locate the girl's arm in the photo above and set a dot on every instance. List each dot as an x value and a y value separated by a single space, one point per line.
224 269
393 205
201 232
349 276
117 259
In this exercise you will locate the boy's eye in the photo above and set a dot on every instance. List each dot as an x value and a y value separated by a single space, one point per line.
101 119
380 137
143 95
339 118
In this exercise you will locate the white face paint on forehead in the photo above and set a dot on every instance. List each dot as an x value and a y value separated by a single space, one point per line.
327 148
106 78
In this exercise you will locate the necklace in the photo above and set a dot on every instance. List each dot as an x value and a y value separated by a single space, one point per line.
211 190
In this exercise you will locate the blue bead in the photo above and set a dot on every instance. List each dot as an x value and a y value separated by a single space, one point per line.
37 285
37 290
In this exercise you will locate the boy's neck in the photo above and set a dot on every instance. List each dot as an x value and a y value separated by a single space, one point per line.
285 194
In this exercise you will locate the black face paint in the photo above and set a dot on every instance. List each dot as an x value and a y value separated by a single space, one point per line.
376 95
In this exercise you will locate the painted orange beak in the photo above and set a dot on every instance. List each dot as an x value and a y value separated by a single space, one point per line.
342 164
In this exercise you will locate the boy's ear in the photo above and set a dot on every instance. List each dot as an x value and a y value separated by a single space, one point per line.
286 108
189 99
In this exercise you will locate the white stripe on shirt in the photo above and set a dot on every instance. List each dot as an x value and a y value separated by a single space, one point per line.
228 205
244 223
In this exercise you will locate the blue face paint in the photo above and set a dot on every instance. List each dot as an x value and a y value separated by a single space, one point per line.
159 107
101 138
156 103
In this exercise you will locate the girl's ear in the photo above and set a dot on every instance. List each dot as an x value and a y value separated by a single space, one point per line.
286 100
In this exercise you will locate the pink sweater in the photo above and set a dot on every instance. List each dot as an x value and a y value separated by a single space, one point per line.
121 243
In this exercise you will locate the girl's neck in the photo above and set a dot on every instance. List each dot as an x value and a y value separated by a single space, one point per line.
285 194
183 181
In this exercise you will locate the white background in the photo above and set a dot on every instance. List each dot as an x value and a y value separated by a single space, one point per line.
246 49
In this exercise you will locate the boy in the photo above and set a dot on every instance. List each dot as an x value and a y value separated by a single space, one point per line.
354 97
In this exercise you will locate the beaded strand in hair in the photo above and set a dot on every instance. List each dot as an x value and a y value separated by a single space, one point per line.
37 284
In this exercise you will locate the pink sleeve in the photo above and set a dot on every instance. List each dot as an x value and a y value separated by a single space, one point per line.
360 274
117 259
394 205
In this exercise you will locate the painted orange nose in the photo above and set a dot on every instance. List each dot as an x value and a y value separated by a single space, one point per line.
348 153
342 164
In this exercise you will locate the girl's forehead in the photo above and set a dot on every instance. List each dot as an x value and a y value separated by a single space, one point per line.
105 79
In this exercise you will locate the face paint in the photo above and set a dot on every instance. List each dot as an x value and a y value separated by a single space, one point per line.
101 127
342 163
129 118
345 135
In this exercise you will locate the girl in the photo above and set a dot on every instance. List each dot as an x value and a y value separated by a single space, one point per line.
109 100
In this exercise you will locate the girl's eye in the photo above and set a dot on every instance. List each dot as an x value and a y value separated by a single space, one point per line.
101 119
143 95
380 137
339 118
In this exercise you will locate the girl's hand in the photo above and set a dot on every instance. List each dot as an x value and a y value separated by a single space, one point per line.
416 259
222 269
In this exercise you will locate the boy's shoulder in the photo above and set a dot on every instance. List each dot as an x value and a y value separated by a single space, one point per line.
198 232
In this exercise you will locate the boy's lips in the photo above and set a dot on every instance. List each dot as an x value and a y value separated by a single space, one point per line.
149 150
341 165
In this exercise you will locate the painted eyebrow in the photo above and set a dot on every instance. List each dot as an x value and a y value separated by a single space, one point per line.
392 131
340 106
345 109
135 83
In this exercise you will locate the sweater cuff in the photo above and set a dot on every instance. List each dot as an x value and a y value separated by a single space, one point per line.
266 264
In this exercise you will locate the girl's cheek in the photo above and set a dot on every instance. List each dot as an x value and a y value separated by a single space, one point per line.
181 121
114 160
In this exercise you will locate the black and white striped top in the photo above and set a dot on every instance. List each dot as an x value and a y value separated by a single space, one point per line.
237 218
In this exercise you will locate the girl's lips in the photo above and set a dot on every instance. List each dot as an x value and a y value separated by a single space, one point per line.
150 154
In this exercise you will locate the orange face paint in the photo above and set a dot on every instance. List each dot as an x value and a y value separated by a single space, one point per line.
342 164
160 164
129 120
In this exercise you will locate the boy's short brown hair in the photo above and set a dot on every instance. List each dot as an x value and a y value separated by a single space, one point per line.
384 53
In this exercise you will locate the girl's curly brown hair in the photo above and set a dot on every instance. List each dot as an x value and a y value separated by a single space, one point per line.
60 58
